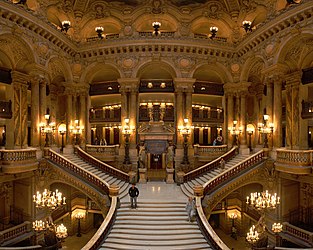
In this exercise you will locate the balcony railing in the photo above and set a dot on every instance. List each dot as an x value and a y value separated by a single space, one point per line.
103 153
14 232
294 161
298 233
18 160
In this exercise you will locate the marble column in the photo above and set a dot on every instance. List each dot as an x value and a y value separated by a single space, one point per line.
296 127
230 116
35 130
19 109
124 108
179 115
83 116
43 100
277 112
188 108
134 106
88 126
243 108
224 126
69 117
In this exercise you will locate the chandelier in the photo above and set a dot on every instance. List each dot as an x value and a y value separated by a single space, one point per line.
252 235
263 200
61 231
39 225
277 227
49 199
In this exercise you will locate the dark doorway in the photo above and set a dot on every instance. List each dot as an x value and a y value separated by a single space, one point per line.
156 161
205 136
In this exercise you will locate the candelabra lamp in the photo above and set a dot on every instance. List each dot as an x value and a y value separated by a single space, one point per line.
266 129
126 132
185 131
250 130
263 200
213 31
48 199
156 26
277 228
61 232
79 216
47 129
39 225
76 130
62 131
235 132
99 31
252 236
65 26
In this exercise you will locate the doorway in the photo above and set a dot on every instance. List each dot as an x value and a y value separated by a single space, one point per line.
156 170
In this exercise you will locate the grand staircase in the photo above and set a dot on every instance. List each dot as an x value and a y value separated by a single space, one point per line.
187 187
158 223
104 176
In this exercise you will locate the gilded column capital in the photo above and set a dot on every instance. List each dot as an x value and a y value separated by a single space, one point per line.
129 84
184 84
294 78
274 70
19 78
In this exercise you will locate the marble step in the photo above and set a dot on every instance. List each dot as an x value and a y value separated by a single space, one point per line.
117 246
156 237
176 228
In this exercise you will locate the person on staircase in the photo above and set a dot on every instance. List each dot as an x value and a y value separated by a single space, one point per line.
133 194
191 208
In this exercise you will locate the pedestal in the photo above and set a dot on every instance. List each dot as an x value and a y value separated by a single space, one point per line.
198 190
114 190
69 149
180 177
132 176
142 175
169 175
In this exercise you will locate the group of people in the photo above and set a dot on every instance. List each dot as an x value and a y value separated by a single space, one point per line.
101 142
218 141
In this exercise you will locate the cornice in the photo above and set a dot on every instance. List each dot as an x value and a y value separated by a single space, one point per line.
276 25
26 19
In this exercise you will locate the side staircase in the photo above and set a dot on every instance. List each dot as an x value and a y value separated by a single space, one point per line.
187 187
104 176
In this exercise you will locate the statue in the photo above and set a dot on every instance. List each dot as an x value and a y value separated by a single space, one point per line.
142 156
170 156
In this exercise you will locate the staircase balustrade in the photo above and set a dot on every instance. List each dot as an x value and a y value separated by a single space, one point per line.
89 177
210 166
101 165
298 233
218 181
102 186
232 172
104 229
15 231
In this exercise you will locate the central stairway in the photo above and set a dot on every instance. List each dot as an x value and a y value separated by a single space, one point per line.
159 222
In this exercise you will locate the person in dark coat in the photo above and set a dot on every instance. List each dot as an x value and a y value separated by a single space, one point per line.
133 194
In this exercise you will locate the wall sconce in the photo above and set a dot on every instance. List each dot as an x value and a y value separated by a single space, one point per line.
99 31
65 26
213 31
247 25
234 131
156 26
266 129
185 131
47 129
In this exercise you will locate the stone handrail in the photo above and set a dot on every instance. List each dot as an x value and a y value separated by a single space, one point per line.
205 150
88 176
207 230
102 186
295 157
226 176
23 248
98 237
211 165
108 150
101 165
211 185
15 231
9 156
298 233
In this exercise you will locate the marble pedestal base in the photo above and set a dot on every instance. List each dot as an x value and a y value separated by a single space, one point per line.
170 175
142 175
